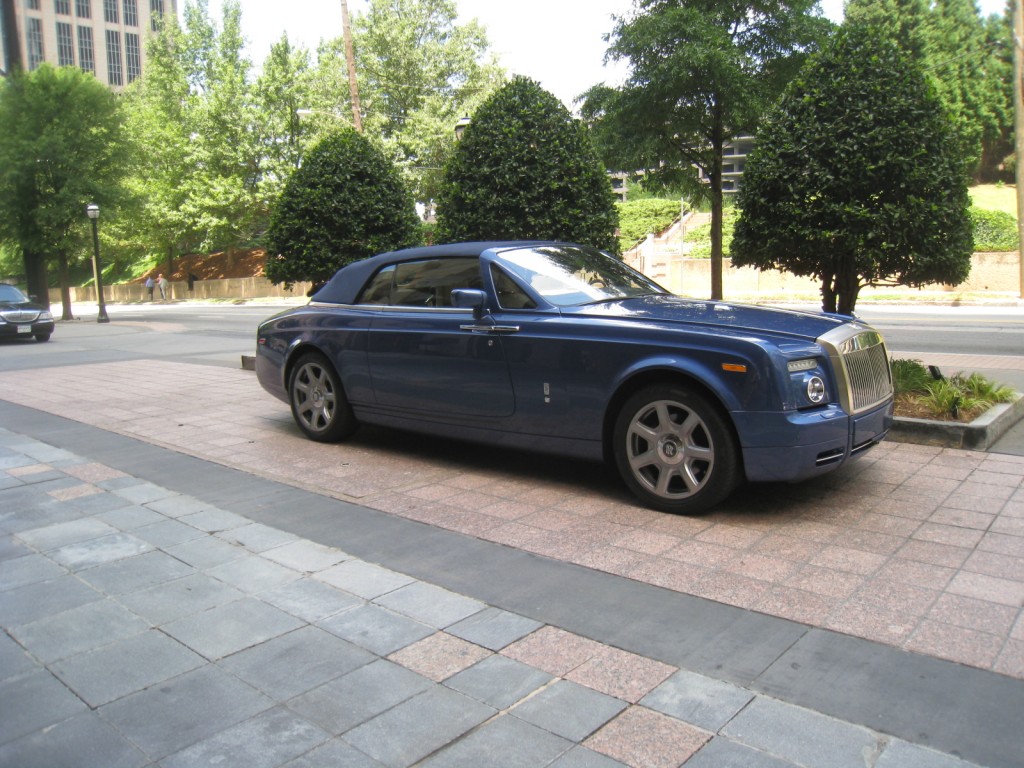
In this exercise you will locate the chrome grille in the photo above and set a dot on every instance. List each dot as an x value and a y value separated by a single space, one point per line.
861 364
20 315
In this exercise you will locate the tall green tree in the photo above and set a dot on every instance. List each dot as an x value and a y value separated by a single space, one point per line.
857 178
281 94
967 55
222 189
160 128
60 149
419 72
194 122
346 202
702 73
525 169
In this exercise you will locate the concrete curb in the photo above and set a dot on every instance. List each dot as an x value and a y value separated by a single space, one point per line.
978 435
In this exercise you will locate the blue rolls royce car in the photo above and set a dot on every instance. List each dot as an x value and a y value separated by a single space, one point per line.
561 348
20 317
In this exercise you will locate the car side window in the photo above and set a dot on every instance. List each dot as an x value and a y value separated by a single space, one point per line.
378 290
510 295
427 283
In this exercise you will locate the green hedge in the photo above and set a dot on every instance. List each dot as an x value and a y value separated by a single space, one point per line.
993 230
639 217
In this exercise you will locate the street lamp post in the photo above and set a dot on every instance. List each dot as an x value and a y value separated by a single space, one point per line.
93 211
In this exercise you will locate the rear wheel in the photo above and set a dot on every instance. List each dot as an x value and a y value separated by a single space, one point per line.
675 450
318 401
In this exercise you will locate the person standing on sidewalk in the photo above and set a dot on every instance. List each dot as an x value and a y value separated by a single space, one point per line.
149 287
161 283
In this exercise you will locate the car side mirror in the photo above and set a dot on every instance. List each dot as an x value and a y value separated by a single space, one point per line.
470 298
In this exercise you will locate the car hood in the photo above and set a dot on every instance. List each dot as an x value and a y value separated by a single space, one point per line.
20 306
719 315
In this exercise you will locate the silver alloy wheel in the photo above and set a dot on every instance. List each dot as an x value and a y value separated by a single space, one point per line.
670 450
314 397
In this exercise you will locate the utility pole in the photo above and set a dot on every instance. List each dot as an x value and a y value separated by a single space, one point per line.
350 58
1018 131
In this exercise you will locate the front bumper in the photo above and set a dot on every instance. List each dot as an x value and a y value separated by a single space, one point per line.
26 330
798 445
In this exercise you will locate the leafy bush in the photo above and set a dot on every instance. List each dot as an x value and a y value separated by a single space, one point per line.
957 397
993 230
637 218
344 203
701 236
525 169
909 376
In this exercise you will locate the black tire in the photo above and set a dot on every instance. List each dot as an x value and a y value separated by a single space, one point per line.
318 401
675 450
42 337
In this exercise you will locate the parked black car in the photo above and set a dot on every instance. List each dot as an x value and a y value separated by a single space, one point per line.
20 317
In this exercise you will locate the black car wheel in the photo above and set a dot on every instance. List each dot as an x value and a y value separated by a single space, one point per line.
318 401
675 450
42 337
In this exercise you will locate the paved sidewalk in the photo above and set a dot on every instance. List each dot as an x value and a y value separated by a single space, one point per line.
144 626
917 547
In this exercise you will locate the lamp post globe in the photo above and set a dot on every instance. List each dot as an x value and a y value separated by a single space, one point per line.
93 212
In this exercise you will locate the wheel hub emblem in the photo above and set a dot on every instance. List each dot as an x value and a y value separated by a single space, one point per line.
671 449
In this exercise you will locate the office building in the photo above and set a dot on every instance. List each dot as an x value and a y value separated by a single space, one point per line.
105 37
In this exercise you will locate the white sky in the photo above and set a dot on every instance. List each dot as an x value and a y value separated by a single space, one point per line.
556 42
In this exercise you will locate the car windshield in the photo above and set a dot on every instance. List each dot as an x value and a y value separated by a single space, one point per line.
10 293
568 276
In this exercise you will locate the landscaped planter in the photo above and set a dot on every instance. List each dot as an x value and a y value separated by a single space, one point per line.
977 435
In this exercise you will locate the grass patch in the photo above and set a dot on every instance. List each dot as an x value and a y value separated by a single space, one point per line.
995 197
923 393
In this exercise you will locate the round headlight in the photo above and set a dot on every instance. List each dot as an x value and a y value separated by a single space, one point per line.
815 389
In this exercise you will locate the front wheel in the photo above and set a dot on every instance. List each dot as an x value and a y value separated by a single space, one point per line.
42 337
675 450
318 401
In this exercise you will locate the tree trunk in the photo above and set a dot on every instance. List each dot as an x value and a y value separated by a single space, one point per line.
715 179
35 278
65 287
170 262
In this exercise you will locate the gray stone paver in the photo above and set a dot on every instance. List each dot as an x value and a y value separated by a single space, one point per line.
505 742
499 681
494 628
199 644
430 605
418 727
569 710
126 666
232 627
264 741
811 738
698 700
84 739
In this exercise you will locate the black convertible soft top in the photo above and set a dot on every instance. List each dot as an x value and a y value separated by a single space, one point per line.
344 287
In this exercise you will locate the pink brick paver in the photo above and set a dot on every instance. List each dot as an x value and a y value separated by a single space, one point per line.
916 546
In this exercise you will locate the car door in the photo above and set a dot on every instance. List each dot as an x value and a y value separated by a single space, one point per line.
427 357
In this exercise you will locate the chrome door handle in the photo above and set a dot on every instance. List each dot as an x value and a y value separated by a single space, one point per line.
490 328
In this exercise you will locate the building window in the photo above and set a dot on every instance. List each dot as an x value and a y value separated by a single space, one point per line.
132 56
83 9
156 12
32 5
34 42
86 57
62 7
65 45
110 11
114 74
131 13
